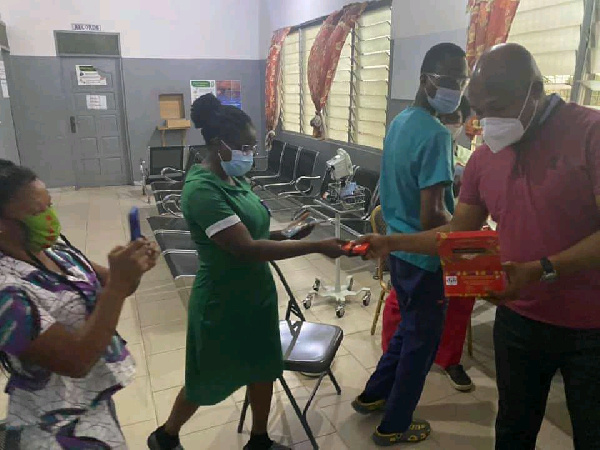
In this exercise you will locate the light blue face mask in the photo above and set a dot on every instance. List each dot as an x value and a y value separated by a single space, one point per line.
240 164
445 101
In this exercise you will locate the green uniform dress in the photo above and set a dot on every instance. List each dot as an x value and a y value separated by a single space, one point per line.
233 325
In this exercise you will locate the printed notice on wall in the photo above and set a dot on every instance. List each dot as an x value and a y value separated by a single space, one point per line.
2 70
96 101
89 76
229 92
4 88
201 87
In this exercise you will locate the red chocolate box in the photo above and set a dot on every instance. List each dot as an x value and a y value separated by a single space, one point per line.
471 263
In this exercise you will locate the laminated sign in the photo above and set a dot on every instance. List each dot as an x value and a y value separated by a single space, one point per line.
200 87
471 263
89 76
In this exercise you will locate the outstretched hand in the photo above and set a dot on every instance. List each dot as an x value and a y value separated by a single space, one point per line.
332 248
378 245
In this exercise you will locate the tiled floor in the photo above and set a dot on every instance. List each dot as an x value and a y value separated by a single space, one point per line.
153 322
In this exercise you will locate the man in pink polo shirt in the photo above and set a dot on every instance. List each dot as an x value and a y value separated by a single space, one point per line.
538 175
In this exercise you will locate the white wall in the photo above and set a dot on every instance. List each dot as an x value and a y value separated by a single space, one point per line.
223 29
417 25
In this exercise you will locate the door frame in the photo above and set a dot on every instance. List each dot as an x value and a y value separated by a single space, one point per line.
124 122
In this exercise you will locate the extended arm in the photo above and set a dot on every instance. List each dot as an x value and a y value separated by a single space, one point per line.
466 218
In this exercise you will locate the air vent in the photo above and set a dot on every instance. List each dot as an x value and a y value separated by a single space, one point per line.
70 43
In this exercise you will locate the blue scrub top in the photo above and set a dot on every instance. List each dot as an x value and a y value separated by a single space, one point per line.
417 154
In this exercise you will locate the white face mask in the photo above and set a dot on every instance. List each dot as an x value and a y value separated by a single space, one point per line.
500 132
454 130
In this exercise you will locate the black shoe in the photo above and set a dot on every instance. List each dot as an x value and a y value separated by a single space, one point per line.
459 378
263 442
159 440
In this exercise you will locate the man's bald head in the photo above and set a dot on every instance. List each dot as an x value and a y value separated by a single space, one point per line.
506 67
505 78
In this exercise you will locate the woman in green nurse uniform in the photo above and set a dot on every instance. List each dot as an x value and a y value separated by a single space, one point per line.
233 326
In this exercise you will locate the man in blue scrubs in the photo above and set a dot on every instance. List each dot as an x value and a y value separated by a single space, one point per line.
416 194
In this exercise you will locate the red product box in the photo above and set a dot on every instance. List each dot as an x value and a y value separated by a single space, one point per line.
471 263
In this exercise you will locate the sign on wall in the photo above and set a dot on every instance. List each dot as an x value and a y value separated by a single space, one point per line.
96 101
202 87
89 76
85 27
229 92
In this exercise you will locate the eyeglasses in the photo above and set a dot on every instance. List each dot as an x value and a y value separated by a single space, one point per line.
246 150
448 81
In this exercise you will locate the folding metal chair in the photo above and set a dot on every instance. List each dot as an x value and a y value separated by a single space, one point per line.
308 348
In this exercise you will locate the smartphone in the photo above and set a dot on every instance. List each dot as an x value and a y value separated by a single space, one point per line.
293 231
134 224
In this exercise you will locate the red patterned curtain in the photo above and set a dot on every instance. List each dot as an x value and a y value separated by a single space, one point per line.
325 55
272 79
489 25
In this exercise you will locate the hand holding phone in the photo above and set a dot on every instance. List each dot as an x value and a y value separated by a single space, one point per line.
354 249
296 228
134 224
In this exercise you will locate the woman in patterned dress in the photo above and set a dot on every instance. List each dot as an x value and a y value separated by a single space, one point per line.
58 315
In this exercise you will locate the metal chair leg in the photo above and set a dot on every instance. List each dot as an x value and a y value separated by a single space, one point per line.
244 411
378 311
337 387
470 338
301 416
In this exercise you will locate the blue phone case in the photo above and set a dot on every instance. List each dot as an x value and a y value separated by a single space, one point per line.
134 224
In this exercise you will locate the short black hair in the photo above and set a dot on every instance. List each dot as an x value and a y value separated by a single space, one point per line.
437 54
12 179
218 121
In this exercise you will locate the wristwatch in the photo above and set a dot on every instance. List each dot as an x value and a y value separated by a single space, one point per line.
549 274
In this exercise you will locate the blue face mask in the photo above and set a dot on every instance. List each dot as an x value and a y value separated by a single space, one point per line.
240 164
445 101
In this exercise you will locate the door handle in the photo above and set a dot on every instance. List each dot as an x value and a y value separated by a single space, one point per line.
73 125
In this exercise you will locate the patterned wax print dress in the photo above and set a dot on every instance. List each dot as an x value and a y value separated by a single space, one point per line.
233 326
48 411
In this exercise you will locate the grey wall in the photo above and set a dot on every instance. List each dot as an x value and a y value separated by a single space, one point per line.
146 79
41 114
41 118
8 141
408 55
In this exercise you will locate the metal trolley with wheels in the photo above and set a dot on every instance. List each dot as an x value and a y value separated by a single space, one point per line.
338 292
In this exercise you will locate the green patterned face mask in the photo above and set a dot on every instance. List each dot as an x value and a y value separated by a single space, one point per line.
43 230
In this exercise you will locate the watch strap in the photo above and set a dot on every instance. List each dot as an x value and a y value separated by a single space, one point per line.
547 266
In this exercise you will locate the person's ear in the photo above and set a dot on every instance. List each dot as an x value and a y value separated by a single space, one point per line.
224 151
423 80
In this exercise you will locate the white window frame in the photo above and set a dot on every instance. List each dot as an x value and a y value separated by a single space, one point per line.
353 107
